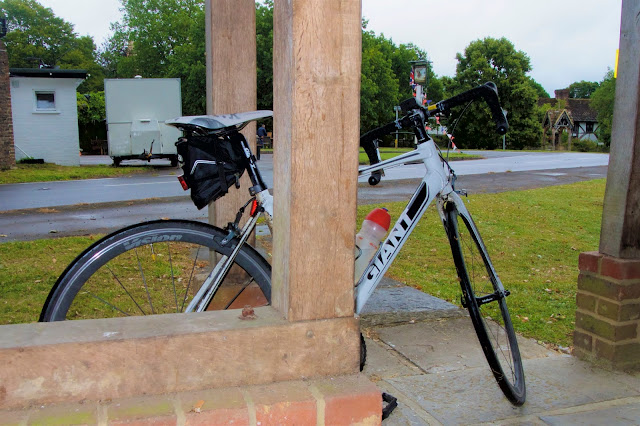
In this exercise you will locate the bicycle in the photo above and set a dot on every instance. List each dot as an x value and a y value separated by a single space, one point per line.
205 267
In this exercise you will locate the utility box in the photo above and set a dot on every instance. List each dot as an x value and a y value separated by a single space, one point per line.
137 109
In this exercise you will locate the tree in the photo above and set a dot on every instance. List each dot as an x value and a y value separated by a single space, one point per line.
582 89
497 60
264 46
161 39
602 100
538 88
37 37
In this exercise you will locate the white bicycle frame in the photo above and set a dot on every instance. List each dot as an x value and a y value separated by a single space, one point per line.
435 183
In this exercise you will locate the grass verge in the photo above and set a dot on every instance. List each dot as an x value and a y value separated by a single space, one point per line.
534 238
53 172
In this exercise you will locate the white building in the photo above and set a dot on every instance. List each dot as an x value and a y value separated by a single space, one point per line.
45 114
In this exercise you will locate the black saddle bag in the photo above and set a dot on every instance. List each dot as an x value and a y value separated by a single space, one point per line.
211 165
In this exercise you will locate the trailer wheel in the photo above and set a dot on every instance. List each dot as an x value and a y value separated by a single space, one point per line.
174 160
116 161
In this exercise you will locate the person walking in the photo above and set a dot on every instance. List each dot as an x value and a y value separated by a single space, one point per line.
262 133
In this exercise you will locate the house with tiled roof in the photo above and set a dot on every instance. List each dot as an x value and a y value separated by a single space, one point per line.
573 116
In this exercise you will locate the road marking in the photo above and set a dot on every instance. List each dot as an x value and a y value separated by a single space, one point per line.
144 183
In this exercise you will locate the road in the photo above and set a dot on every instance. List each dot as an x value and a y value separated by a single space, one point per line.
163 183
37 210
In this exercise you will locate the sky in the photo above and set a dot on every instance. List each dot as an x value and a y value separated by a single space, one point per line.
566 40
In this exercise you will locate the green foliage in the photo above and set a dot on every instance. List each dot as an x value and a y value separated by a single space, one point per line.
385 78
264 47
602 100
497 60
91 119
161 38
36 37
91 108
538 87
582 89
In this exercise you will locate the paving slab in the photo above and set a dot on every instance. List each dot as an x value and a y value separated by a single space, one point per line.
471 396
446 344
615 415
393 302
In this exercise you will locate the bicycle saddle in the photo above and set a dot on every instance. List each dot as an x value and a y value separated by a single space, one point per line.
214 124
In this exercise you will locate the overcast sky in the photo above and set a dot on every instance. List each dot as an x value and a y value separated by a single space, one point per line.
566 40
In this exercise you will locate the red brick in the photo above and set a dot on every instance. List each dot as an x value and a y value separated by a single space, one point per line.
589 261
618 311
65 414
152 410
351 400
286 403
614 332
626 356
219 416
583 340
7 150
215 407
620 269
608 289
586 302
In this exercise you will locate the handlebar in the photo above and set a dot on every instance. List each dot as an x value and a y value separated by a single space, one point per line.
416 115
487 91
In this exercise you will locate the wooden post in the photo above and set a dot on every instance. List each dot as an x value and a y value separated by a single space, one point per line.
317 105
231 81
608 298
620 236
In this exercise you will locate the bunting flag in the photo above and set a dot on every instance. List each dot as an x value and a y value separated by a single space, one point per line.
451 138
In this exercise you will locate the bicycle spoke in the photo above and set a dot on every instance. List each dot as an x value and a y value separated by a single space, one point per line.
173 281
146 288
186 292
107 303
125 289
245 285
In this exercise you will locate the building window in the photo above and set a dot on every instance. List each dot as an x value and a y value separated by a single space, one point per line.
45 101
589 127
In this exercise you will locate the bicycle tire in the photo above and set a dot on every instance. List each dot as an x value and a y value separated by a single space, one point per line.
484 297
131 271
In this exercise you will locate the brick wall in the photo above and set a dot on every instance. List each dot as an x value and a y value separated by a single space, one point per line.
7 153
608 311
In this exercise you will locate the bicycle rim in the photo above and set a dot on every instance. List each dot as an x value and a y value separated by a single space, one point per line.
155 268
484 297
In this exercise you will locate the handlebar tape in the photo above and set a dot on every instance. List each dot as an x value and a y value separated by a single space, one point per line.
489 92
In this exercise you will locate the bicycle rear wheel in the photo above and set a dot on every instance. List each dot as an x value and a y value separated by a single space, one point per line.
485 298
155 268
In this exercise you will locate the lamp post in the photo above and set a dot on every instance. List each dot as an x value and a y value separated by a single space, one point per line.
504 143
397 110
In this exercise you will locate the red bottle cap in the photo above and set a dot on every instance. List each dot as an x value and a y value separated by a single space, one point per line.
381 217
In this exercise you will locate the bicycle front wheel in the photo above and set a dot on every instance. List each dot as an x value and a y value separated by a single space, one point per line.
155 268
485 298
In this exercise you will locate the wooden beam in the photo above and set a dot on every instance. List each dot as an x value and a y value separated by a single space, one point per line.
45 363
317 106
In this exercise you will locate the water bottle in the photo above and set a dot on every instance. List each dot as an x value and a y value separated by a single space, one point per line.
374 228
